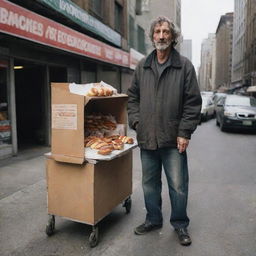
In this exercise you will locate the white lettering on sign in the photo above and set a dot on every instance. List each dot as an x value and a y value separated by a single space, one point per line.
73 41
64 116
21 22
109 54
51 33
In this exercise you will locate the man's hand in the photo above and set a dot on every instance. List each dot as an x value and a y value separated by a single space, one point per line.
182 144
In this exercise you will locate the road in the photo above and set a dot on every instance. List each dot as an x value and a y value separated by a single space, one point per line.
222 207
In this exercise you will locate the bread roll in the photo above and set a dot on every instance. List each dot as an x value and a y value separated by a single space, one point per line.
126 139
95 144
107 147
92 92
118 144
101 92
130 140
90 142
104 151
101 144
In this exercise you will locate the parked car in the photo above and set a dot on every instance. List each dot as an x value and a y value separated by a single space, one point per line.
234 111
216 97
207 110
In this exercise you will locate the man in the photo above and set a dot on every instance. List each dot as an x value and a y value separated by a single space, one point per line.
164 108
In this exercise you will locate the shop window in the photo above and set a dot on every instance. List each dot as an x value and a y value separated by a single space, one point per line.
118 17
5 123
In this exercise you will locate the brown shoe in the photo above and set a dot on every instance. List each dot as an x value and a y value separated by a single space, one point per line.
183 236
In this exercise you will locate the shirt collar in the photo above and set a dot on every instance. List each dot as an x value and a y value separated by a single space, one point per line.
173 60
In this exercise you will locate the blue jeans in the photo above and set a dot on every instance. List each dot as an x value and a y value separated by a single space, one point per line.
176 171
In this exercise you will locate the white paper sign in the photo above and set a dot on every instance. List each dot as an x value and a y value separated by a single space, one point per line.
64 116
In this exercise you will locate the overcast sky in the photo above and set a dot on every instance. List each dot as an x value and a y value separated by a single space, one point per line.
199 18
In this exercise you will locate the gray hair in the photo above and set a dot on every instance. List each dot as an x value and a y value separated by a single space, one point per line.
173 28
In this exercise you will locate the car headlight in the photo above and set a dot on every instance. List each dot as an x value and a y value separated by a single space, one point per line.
227 113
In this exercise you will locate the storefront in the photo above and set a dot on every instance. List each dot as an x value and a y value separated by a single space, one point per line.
5 123
35 51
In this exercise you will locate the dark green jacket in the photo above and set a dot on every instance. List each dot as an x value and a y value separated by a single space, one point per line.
162 108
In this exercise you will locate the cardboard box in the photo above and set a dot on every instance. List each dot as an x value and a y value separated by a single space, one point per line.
88 192
68 114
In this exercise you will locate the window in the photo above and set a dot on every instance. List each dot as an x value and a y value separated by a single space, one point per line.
118 17
131 32
5 124
97 7
145 6
141 40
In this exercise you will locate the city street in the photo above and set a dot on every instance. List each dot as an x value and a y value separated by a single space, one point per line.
222 206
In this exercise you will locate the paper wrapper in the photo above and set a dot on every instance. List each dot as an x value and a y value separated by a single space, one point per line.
83 89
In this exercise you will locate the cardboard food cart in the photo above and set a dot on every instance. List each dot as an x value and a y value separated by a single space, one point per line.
81 185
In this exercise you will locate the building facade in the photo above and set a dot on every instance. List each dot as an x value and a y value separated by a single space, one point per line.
136 35
206 74
250 44
55 41
186 48
224 40
238 51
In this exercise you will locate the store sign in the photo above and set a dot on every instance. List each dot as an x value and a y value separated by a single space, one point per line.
81 17
20 22
135 57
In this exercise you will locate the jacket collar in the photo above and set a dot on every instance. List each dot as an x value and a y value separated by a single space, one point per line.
174 59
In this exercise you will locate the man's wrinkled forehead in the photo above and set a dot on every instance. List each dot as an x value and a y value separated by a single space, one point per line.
162 23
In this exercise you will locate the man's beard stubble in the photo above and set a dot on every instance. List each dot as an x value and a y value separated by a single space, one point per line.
161 46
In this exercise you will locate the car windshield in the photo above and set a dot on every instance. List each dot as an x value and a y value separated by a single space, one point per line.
241 101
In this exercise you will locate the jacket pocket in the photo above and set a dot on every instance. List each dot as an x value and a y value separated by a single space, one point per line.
140 133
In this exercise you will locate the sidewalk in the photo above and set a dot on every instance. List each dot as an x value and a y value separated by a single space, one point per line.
22 170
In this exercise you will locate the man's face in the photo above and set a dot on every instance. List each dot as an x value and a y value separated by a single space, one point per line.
162 36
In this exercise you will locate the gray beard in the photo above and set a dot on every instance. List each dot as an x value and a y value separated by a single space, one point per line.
162 46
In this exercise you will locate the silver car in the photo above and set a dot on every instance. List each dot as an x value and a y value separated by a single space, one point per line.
207 110
234 111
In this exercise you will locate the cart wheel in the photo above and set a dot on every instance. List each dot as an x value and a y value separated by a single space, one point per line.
50 225
94 237
128 204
